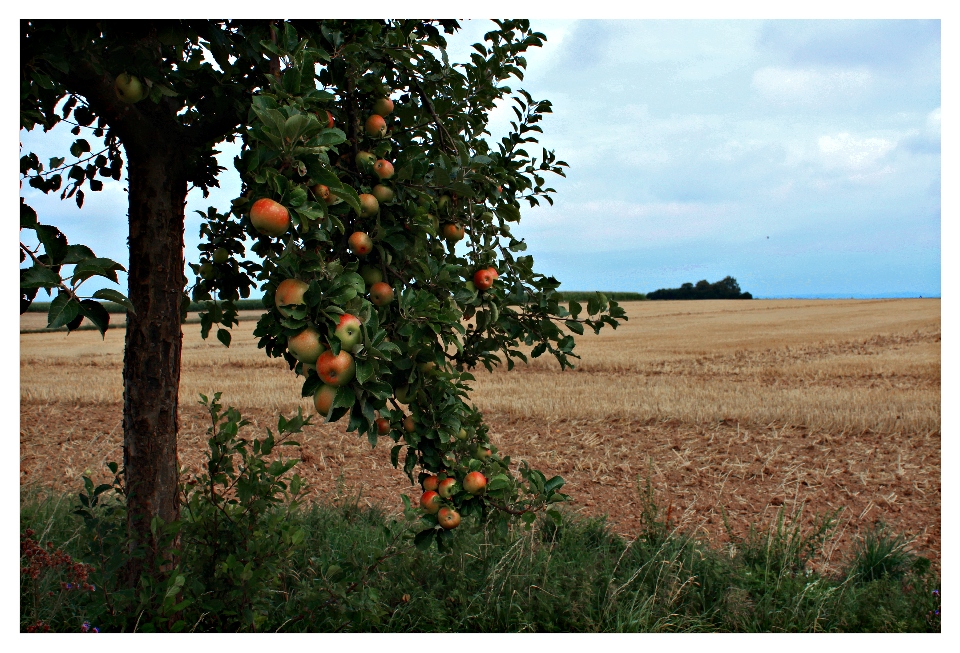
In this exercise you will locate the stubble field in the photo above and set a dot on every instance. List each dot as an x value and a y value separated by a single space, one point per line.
732 409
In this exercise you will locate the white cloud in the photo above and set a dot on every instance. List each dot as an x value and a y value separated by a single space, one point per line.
810 86
851 152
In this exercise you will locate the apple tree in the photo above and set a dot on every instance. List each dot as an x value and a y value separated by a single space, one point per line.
375 216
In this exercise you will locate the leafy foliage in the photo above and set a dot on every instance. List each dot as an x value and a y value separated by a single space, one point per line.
577 576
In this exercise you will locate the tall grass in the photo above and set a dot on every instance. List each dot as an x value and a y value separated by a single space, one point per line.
576 577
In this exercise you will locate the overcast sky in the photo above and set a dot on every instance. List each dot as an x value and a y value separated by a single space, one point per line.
801 157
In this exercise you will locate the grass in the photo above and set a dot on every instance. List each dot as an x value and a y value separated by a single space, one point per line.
576 577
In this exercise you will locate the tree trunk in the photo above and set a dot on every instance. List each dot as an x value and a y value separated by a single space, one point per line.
151 359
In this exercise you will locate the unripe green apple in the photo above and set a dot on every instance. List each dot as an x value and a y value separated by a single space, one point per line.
306 346
349 331
383 106
483 452
403 394
365 161
206 270
371 274
448 487
221 255
368 205
129 89
444 204
384 194
462 434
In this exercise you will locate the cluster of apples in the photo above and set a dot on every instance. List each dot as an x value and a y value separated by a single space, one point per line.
271 218
436 490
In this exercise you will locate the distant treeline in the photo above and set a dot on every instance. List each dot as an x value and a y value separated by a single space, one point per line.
242 305
257 304
586 295
726 288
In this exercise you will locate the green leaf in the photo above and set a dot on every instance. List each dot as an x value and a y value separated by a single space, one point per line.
96 313
553 484
424 539
54 242
224 336
77 253
110 295
574 326
38 276
364 371
575 309
62 310
509 212
28 217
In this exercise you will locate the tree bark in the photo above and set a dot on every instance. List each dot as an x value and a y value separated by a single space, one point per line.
151 360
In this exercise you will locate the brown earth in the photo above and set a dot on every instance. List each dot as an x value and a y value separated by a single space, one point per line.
728 408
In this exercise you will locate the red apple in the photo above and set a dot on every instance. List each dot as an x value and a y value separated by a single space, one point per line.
269 218
383 169
483 279
431 483
368 205
483 452
383 106
448 518
349 331
306 346
336 370
290 291
447 487
453 232
381 294
493 271
474 482
323 399
383 426
323 193
408 424
329 120
384 194
375 127
360 243
430 501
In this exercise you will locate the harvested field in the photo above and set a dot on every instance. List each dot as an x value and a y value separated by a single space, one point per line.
740 407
